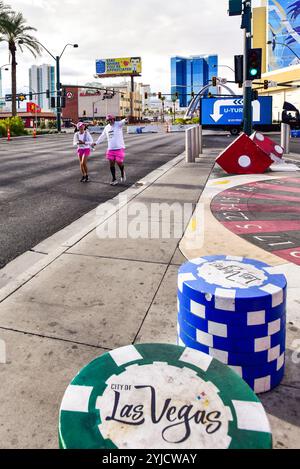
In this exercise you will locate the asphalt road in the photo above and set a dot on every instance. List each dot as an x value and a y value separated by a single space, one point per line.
40 192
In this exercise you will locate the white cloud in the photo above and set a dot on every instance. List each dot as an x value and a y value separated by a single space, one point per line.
152 29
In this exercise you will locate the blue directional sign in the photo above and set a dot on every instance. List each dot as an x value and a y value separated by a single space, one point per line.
229 111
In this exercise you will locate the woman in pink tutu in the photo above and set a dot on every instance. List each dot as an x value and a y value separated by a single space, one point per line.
83 140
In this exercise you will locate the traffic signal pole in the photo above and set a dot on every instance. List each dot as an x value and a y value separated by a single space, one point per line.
58 94
247 26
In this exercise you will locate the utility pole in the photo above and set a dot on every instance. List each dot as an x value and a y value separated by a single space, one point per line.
247 26
244 8
58 94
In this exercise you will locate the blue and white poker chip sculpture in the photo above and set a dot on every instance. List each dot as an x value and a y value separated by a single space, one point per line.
234 309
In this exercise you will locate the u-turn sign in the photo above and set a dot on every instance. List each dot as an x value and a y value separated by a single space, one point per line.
229 111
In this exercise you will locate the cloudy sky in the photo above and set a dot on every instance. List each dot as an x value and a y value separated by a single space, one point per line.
152 29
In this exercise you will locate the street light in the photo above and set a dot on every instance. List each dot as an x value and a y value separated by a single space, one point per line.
58 84
273 42
93 104
227 66
5 65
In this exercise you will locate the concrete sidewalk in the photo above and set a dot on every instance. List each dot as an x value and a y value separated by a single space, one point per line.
76 295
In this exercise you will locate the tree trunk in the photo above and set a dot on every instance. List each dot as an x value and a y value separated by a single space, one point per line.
12 49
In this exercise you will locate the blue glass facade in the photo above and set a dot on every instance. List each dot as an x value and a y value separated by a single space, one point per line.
192 74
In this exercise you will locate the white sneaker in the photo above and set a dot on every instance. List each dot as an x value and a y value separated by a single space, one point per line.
114 183
123 179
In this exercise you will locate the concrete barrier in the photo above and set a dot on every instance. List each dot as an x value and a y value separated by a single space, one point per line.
143 129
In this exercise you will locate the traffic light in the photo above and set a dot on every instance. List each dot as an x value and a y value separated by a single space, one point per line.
30 96
235 7
176 95
214 81
63 101
254 95
192 94
146 95
253 64
22 97
47 94
52 102
266 84
84 113
210 95
239 69
64 92
159 95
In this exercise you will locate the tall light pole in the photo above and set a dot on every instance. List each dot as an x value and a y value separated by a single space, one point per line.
5 68
247 26
58 84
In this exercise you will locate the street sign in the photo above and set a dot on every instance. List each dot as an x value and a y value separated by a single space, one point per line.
235 7
229 111
19 97
272 84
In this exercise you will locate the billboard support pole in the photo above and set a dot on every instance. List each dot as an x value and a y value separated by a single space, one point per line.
131 98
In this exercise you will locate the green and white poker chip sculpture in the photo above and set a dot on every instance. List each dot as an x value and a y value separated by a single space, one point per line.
159 396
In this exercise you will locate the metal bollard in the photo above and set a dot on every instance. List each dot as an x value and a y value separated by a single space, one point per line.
200 140
188 146
285 137
193 143
197 141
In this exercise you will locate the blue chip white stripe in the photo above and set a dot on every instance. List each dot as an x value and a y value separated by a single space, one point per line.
234 358
243 317
197 309
225 299
241 345
276 292
232 331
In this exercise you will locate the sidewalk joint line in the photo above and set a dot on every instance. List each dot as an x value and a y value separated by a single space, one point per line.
115 258
60 339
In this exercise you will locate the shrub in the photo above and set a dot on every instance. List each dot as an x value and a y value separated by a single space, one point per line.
15 124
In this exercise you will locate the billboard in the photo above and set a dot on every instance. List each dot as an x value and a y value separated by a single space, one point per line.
119 67
284 33
229 111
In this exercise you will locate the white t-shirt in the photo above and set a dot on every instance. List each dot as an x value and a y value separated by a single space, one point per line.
85 138
114 135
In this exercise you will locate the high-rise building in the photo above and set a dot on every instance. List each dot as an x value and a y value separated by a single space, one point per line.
42 78
191 74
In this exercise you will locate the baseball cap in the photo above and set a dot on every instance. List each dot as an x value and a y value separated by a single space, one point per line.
110 117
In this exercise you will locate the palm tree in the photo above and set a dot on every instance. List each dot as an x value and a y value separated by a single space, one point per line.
3 8
14 31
